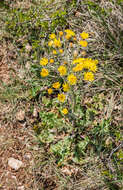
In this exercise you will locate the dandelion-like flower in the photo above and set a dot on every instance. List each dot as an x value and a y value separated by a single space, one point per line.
44 72
66 87
57 43
56 85
61 97
84 35
51 60
62 70
50 90
78 60
83 43
65 111
72 79
60 33
50 43
54 52
78 67
44 61
52 36
70 32
61 51
89 76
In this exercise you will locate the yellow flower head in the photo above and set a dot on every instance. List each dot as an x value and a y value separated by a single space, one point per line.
61 97
50 43
44 72
89 76
56 85
70 32
44 61
50 90
67 36
70 44
65 111
61 51
65 63
66 87
78 60
93 67
84 35
83 43
51 60
96 61
74 39
72 79
52 36
78 67
54 52
57 43
90 64
62 70
60 33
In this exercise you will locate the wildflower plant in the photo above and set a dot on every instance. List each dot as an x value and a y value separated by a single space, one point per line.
67 65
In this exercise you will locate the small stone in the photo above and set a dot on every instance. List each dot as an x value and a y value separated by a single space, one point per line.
14 163
20 115
21 188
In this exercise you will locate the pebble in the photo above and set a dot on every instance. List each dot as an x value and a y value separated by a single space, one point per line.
14 163
20 115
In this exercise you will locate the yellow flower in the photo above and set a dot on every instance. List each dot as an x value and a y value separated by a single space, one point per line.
50 43
88 76
44 72
51 60
61 97
50 90
52 36
78 60
67 36
61 51
96 61
62 70
65 63
93 67
74 39
83 43
66 87
78 67
56 85
70 32
54 52
71 45
84 35
90 64
72 79
60 33
44 61
57 43
65 111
